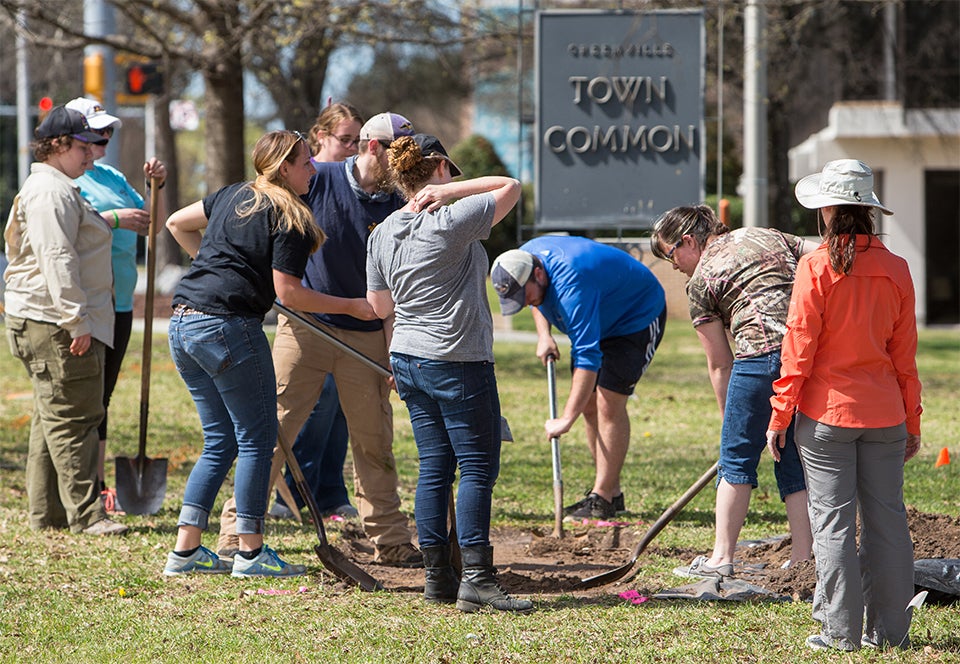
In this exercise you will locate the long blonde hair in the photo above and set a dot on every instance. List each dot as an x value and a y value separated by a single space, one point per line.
270 189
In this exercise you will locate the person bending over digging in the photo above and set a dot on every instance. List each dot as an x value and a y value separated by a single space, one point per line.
426 276
614 310
258 236
740 281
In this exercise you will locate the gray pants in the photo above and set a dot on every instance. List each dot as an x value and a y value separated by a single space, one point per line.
844 469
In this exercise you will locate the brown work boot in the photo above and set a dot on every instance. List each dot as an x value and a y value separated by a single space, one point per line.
227 545
399 555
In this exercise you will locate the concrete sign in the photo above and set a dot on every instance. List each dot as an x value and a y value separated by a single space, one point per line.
620 135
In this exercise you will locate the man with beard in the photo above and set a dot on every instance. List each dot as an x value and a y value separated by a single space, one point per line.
348 200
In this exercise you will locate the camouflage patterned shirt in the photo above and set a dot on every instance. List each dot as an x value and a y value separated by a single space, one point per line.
744 279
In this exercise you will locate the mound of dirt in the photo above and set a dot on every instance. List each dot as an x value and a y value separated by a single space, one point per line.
534 562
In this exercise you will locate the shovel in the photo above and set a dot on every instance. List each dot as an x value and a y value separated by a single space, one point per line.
142 482
341 566
555 451
665 518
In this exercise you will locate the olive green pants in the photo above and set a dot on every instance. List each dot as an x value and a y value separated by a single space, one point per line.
62 486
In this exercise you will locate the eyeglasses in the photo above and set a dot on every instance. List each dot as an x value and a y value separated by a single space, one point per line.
348 141
669 254
300 137
106 132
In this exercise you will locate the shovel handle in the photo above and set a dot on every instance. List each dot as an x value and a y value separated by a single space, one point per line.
555 451
148 318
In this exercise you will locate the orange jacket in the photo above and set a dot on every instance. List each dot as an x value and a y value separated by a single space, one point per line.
849 355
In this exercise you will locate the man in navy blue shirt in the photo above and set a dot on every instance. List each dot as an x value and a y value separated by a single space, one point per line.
613 309
348 200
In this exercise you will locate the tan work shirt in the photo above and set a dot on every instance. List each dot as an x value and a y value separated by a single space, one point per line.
58 248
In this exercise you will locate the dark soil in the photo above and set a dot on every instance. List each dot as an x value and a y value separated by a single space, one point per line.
536 563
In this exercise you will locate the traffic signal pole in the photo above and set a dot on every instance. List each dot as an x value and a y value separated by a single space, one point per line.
99 68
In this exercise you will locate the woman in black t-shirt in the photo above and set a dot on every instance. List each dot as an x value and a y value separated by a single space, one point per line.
258 236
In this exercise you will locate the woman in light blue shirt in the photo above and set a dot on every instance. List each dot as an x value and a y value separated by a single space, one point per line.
122 207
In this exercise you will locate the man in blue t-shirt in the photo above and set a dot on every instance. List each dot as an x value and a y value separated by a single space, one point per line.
348 200
613 309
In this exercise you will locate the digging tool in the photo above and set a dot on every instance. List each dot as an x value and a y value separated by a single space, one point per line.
555 451
505 433
332 558
665 518
142 482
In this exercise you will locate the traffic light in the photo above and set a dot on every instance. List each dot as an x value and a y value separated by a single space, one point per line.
94 77
144 78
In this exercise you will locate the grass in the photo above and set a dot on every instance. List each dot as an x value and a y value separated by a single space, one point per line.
66 598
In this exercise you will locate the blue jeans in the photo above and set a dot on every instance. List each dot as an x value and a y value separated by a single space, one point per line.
226 364
744 431
321 449
455 412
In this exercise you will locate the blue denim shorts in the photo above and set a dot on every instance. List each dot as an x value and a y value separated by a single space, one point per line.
745 421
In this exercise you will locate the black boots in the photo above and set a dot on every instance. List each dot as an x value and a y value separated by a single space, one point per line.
478 585
442 582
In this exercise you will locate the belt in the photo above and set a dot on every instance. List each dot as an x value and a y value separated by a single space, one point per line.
184 310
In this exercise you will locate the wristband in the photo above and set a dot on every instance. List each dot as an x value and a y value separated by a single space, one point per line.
116 219
162 184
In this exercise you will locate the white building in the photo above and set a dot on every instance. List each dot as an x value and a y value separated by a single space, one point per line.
915 157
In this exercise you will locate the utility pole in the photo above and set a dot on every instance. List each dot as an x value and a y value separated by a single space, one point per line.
98 21
23 102
755 205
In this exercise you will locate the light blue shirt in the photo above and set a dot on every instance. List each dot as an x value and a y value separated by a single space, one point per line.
106 188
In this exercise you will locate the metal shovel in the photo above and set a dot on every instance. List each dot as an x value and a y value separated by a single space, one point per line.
142 482
665 518
555 452
332 558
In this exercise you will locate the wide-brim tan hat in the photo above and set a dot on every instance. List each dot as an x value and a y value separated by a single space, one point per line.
841 182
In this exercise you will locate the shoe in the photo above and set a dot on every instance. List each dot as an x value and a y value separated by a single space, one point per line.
399 555
280 511
479 589
201 561
347 512
267 563
816 642
699 569
594 506
105 527
227 545
618 504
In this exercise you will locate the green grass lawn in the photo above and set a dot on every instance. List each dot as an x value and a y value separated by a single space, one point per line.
66 598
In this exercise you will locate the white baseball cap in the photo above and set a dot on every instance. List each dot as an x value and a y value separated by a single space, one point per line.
96 114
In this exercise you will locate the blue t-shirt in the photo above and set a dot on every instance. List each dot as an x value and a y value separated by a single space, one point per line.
233 271
596 292
347 215
106 188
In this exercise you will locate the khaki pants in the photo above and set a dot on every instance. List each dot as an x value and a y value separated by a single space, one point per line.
302 362
62 485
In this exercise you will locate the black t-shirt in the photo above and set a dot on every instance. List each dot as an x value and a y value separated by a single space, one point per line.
233 271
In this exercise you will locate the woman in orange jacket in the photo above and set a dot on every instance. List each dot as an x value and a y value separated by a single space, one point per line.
849 371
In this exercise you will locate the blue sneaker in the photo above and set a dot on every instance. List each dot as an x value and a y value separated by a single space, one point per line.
202 561
267 563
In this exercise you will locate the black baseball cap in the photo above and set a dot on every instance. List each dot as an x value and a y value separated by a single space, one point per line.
63 121
430 145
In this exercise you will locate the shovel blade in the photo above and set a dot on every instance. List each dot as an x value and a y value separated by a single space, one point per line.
141 484
345 569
